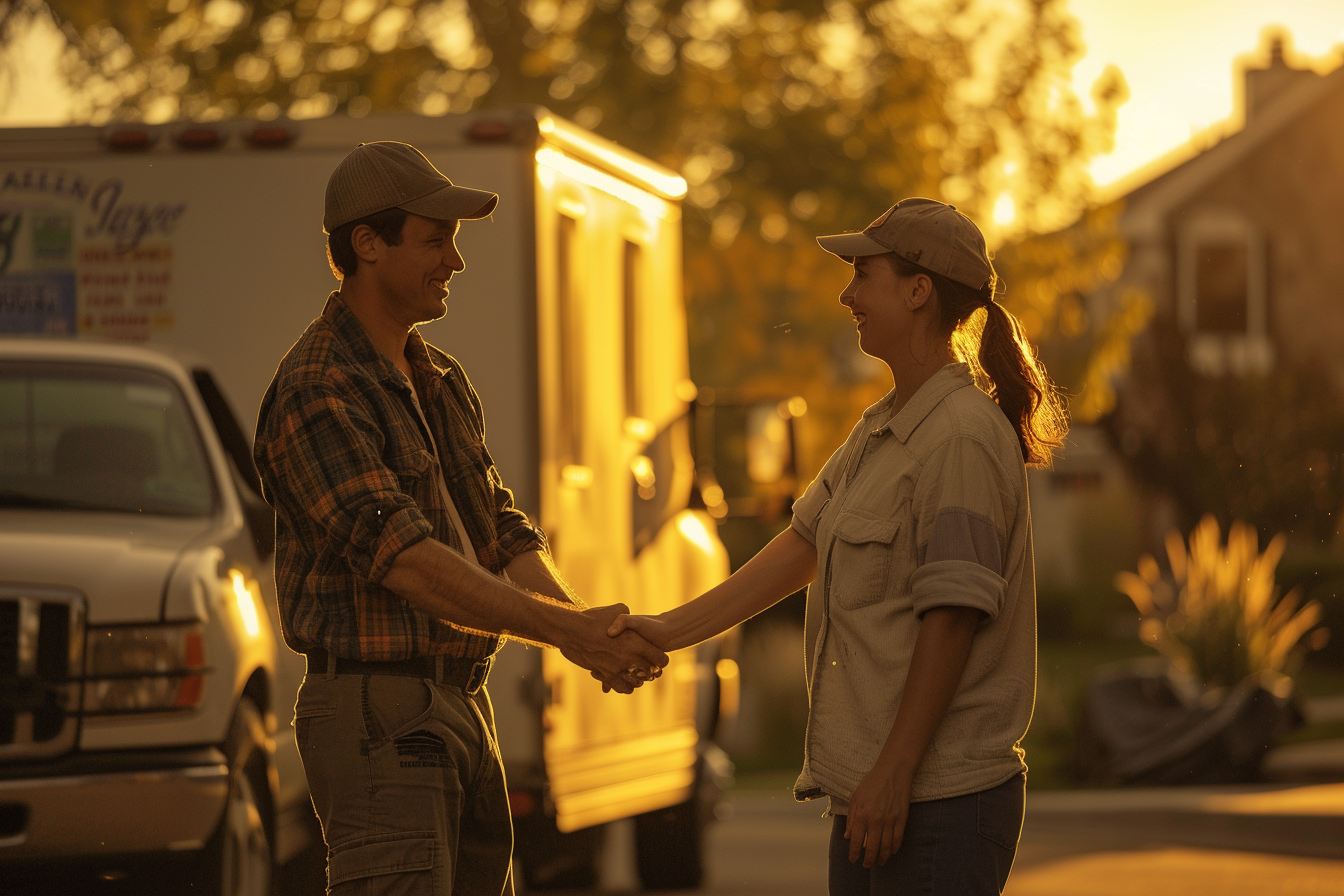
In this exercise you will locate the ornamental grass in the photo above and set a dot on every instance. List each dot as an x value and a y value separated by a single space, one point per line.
1218 616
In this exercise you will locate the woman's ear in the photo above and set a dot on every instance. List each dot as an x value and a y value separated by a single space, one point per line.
921 291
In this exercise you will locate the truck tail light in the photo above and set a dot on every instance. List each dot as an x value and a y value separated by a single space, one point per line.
150 668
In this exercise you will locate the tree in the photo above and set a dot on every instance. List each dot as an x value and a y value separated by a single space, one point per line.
787 120
1264 448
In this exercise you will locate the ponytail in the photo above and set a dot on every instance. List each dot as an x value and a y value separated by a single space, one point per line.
995 347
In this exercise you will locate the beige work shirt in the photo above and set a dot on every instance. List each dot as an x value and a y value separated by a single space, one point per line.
922 510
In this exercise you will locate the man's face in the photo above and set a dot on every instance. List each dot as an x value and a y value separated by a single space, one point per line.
414 275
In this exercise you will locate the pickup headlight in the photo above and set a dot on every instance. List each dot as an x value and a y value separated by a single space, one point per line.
149 668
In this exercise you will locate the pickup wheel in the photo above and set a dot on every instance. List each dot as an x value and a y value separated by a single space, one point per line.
239 859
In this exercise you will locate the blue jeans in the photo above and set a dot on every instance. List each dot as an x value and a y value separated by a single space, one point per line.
961 846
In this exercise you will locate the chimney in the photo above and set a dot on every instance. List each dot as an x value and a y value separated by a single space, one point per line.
1264 86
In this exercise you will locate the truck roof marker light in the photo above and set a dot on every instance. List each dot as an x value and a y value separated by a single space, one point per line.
271 136
695 532
662 181
601 180
489 130
247 606
199 137
129 139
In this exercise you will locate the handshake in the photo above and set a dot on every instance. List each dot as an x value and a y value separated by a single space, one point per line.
620 650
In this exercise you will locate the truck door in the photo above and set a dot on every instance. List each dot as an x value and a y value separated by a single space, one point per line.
616 475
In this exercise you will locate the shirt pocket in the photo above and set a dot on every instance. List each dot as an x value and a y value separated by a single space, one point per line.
861 558
416 476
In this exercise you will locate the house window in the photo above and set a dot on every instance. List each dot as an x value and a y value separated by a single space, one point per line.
1221 287
1222 293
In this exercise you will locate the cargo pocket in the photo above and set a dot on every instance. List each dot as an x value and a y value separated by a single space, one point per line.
861 558
411 852
304 716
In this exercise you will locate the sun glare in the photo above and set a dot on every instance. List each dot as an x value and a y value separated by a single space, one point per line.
1005 210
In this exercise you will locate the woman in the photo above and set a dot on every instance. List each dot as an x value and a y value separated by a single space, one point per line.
915 537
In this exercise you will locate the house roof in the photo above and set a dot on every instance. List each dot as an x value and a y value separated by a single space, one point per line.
1148 204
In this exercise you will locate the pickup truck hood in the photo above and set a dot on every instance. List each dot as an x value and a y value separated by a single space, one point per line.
121 562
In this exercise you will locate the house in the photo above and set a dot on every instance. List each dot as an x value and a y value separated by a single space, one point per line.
1242 246
1238 243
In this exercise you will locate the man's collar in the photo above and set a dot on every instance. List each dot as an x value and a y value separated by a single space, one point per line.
943 383
349 330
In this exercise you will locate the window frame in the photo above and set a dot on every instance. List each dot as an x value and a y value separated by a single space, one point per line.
1216 353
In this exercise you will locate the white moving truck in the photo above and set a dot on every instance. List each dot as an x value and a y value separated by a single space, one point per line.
206 239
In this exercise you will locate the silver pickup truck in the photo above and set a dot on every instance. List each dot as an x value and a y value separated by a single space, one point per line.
141 673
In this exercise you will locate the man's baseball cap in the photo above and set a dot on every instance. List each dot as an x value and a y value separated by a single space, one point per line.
382 175
931 234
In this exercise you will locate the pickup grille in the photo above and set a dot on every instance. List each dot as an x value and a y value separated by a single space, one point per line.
41 664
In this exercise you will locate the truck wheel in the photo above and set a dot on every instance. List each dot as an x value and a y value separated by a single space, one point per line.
550 860
239 859
669 846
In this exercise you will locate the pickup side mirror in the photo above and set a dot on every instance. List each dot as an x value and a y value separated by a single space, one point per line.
260 517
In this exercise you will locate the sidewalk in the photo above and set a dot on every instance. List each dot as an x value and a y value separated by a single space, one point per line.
1268 818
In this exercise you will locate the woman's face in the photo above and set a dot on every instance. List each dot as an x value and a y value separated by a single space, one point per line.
879 301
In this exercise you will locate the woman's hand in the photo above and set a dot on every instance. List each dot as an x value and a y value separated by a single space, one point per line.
651 628
877 812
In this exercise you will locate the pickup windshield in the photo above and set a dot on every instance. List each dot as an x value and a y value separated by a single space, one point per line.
86 437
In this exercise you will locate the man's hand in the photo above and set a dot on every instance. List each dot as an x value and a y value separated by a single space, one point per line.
877 812
621 663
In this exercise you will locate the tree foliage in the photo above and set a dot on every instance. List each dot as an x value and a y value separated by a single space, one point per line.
787 120
1265 448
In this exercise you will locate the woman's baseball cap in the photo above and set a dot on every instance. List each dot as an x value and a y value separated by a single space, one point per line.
382 175
931 234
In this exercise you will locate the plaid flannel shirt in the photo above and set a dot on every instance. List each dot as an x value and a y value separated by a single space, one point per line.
345 463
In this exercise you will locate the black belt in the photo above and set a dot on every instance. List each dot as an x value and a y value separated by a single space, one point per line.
467 674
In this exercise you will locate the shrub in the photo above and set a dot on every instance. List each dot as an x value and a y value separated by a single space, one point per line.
1219 616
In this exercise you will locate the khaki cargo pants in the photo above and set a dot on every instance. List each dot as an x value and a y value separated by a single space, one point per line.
406 779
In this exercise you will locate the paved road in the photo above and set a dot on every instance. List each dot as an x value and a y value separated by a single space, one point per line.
1245 841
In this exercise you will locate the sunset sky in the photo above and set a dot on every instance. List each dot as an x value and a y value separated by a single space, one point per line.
1178 57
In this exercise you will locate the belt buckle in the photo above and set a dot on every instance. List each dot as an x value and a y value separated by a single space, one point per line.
479 671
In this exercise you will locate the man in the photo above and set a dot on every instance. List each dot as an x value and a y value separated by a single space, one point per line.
393 532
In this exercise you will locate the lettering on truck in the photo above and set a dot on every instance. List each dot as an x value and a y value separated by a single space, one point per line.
79 257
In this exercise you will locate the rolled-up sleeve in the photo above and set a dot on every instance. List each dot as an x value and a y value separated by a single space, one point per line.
322 458
962 503
515 533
